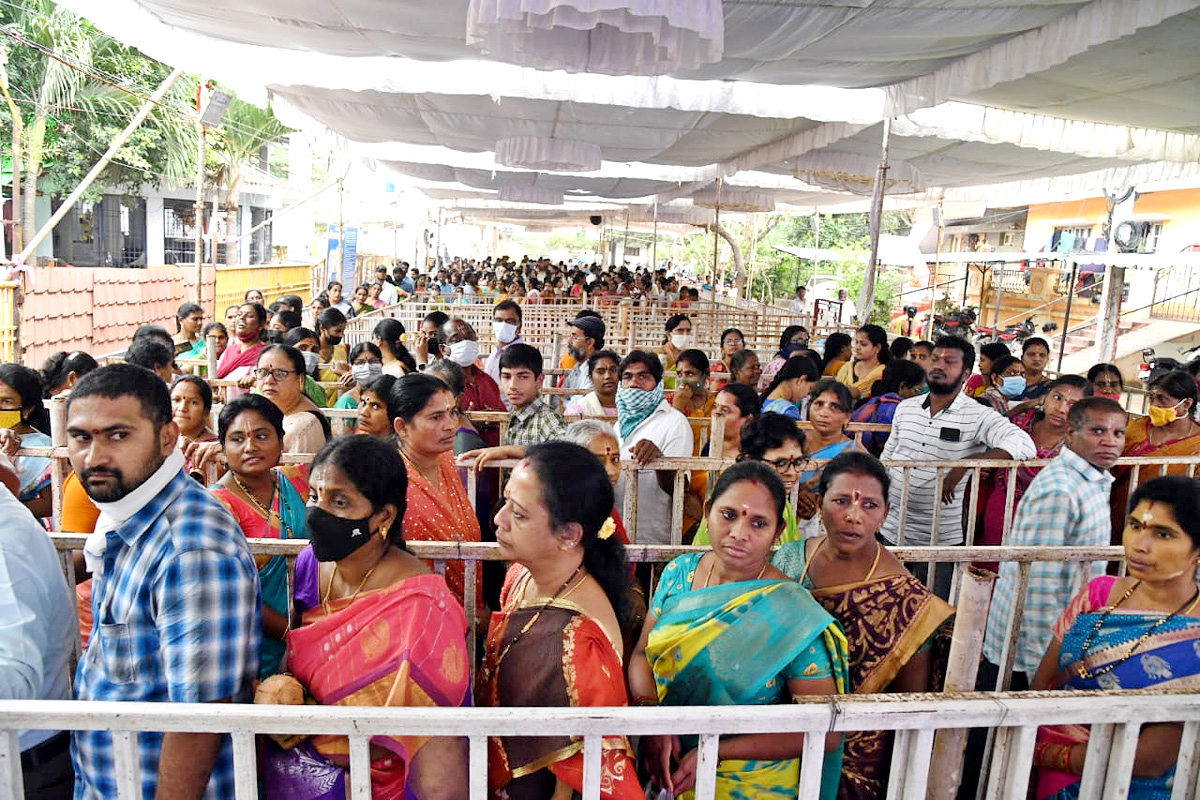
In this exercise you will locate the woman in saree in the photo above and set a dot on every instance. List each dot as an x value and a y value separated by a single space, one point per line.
829 407
377 628
191 405
268 503
889 616
778 442
424 416
732 341
557 639
240 357
871 355
1047 426
1137 632
1169 429
725 627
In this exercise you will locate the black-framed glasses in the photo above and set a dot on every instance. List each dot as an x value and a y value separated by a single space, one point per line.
781 464
277 374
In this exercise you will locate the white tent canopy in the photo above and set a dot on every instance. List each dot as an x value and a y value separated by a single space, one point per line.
793 108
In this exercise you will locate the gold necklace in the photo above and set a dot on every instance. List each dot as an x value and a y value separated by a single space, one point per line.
361 584
1085 673
264 510
712 565
533 620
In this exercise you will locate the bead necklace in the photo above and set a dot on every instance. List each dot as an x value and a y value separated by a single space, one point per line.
533 620
1085 673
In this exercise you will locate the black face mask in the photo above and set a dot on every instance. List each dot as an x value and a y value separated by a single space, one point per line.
334 538
274 337
333 341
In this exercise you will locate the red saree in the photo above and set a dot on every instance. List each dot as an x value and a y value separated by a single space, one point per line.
238 354
442 514
400 646
563 659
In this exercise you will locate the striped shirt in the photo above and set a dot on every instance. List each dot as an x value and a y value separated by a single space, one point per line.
178 619
962 429
1066 504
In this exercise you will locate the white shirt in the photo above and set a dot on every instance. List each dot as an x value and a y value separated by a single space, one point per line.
963 429
848 312
37 614
669 429
388 294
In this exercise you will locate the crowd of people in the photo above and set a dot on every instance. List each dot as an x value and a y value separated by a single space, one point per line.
790 591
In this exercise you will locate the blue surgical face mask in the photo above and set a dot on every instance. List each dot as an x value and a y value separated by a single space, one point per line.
1014 386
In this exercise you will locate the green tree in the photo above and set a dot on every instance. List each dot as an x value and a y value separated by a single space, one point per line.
243 134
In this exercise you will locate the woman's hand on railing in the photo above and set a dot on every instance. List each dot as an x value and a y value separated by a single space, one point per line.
346 381
657 752
477 459
10 443
246 381
807 504
203 454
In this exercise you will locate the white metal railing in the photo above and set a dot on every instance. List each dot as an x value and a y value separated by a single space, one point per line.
1116 719
472 554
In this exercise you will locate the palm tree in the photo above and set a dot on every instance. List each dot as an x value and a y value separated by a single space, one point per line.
244 132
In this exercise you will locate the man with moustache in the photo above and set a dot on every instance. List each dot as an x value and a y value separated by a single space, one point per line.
1067 504
944 425
585 335
175 597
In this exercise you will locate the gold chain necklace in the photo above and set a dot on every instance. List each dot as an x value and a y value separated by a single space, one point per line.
712 565
265 510
533 620
361 584
1086 674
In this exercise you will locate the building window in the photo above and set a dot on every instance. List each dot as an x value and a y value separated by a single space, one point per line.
109 232
1071 238
1153 232
179 233
1007 239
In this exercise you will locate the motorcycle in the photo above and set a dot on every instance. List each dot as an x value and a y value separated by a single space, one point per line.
1014 335
1154 365
958 323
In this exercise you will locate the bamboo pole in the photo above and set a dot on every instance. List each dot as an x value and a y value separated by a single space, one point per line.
868 291
108 156
199 217
970 622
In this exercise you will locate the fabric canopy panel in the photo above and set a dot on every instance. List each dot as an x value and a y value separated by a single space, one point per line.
814 41
474 124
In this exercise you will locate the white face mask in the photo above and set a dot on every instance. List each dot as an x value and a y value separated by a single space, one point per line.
366 372
504 332
681 341
465 352
311 360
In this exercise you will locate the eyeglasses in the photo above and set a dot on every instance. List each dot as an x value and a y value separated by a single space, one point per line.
277 374
781 464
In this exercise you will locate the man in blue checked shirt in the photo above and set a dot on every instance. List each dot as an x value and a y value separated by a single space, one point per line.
175 595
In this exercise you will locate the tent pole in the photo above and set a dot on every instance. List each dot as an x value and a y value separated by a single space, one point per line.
654 246
868 292
716 241
90 178
1062 345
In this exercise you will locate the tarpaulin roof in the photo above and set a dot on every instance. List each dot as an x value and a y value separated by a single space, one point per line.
982 91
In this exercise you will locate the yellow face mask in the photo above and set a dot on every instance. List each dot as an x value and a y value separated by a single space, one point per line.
10 418
1160 416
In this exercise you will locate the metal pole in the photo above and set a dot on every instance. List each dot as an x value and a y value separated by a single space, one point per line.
868 292
203 138
1062 345
90 178
716 241
341 232
654 246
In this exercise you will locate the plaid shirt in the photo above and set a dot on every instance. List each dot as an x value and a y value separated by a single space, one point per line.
178 618
1066 504
534 424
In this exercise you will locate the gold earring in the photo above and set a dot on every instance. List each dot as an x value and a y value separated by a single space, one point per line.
383 532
